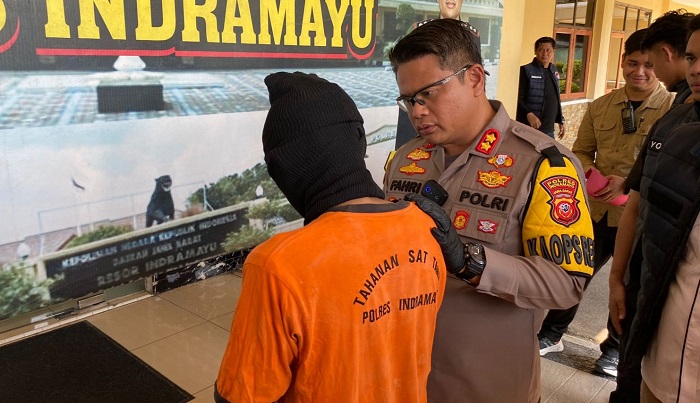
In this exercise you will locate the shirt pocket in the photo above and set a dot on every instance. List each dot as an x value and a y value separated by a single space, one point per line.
487 226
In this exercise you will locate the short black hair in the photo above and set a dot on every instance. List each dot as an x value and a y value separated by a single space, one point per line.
693 25
546 39
634 42
454 44
671 28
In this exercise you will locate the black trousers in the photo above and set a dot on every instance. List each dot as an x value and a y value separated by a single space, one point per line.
557 320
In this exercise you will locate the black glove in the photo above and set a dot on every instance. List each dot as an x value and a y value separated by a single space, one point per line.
445 234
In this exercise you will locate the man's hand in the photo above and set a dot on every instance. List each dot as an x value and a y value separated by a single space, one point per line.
616 304
615 188
562 131
445 234
533 120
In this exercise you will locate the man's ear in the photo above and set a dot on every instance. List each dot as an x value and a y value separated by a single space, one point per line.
622 60
477 79
668 53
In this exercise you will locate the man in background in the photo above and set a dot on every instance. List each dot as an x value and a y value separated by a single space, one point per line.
664 334
664 42
342 308
539 101
609 139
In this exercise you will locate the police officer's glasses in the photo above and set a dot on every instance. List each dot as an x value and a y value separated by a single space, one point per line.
407 103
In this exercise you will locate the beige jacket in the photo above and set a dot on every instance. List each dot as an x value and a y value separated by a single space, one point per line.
486 347
602 144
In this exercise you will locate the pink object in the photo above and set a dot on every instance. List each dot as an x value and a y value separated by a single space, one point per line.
595 181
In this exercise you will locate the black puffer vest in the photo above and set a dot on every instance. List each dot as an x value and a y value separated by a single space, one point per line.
535 94
670 202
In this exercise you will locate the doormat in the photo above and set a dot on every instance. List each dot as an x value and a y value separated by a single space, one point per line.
79 363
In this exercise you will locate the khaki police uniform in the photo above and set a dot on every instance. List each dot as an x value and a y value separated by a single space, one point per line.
530 211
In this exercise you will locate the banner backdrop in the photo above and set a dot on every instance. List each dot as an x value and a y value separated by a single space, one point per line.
130 120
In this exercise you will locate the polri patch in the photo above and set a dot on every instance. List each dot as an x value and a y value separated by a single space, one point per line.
412 169
418 155
493 179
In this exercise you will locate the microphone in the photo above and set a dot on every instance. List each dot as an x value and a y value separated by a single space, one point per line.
435 192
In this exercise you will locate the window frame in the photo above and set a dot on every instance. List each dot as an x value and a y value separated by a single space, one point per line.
573 34
624 34
574 31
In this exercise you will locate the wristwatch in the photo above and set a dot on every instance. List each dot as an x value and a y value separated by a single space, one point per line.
474 261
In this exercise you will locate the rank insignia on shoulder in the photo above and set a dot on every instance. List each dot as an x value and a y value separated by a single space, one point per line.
493 179
412 169
501 161
564 205
461 219
488 141
418 155
487 226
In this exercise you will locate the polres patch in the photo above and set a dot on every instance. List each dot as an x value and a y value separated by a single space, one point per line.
564 205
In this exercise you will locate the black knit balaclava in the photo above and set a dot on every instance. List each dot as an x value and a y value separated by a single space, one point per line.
314 144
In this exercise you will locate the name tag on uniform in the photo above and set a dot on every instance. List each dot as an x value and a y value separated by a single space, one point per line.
535 76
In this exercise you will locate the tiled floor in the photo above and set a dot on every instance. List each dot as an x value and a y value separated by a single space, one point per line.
182 333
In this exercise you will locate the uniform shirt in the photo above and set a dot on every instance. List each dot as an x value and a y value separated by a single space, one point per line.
602 144
342 309
486 347
673 361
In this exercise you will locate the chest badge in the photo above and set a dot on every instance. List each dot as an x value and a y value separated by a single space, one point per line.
418 155
488 141
461 219
493 179
412 169
501 161
564 206
487 226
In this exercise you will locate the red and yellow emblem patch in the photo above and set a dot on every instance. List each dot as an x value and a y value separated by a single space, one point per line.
487 226
429 146
418 155
564 206
461 219
488 141
412 169
501 161
493 179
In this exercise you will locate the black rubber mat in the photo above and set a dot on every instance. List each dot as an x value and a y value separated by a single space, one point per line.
79 363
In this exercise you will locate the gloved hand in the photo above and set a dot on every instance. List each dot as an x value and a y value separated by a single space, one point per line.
445 234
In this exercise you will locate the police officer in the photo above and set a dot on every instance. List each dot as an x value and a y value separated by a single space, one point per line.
515 199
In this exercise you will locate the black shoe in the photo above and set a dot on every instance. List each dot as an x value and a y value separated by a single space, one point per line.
548 345
607 365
